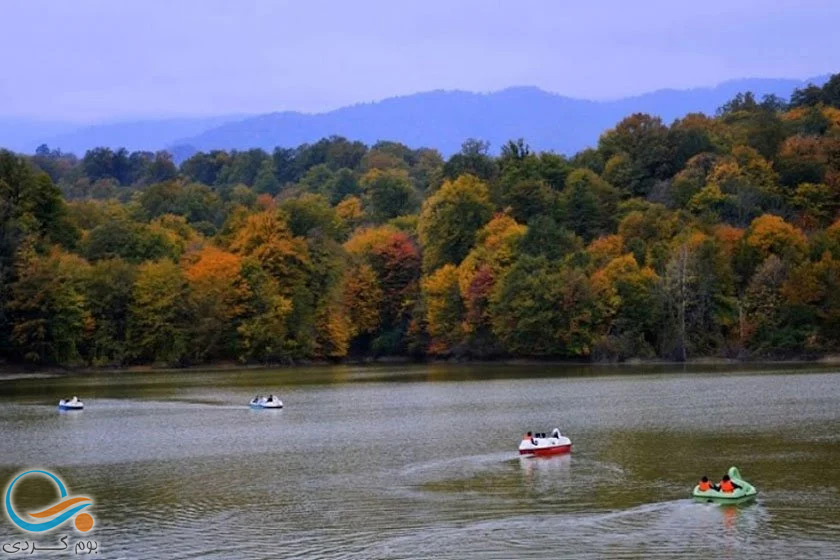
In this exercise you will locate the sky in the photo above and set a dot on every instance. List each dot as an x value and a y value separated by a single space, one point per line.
98 60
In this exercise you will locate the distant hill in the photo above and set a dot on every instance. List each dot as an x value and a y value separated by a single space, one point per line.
21 134
437 119
151 135
444 119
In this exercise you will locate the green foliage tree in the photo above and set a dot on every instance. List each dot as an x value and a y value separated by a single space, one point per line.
47 308
342 185
630 313
588 204
811 95
530 197
30 205
158 319
543 309
450 219
122 238
754 124
205 168
196 202
310 212
473 159
265 180
698 299
242 167
641 141
264 328
108 289
388 194
545 237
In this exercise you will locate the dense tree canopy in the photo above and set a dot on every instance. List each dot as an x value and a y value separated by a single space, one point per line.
711 236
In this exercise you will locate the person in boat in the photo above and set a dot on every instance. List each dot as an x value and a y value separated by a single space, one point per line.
705 484
529 437
726 485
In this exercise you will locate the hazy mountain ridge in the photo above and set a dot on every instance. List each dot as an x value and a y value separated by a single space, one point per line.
151 134
443 119
438 119
22 134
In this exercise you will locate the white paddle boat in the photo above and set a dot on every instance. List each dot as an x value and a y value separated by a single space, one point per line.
71 404
266 402
538 445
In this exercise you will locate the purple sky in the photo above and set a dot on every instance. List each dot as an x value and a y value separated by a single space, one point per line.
93 60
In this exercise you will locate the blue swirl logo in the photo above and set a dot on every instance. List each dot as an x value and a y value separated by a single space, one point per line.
65 508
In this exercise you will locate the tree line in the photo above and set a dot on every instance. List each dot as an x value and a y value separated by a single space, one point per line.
711 236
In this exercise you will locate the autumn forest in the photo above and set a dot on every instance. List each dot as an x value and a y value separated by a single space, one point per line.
714 236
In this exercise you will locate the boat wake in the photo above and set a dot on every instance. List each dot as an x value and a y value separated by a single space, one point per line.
671 529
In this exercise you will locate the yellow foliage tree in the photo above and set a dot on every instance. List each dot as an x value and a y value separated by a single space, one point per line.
444 309
366 239
770 234
217 296
495 247
362 299
604 249
158 317
729 237
266 237
334 332
622 269
351 211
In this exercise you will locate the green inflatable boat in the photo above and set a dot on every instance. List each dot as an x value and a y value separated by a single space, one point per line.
742 494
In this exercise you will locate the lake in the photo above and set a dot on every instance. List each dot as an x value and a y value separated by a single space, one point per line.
420 461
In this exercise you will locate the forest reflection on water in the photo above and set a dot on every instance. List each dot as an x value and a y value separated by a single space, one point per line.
420 461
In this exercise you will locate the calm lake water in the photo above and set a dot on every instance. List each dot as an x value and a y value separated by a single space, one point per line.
420 461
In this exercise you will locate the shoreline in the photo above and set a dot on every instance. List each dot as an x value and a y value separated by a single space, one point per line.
10 372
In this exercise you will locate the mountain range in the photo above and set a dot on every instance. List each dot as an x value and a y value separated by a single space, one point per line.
436 119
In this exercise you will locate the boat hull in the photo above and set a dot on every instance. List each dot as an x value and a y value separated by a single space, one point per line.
543 451
265 407
731 501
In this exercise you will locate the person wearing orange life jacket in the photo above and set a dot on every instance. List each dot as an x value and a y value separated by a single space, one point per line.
529 437
706 485
727 486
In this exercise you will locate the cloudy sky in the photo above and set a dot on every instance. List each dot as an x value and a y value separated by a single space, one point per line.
101 60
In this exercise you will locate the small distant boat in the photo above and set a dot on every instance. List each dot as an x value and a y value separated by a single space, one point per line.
539 445
71 404
746 491
266 402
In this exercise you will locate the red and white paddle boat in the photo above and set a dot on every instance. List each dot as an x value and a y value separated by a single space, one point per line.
539 445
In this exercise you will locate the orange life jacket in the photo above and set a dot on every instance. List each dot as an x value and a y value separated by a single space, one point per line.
726 486
705 486
526 437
